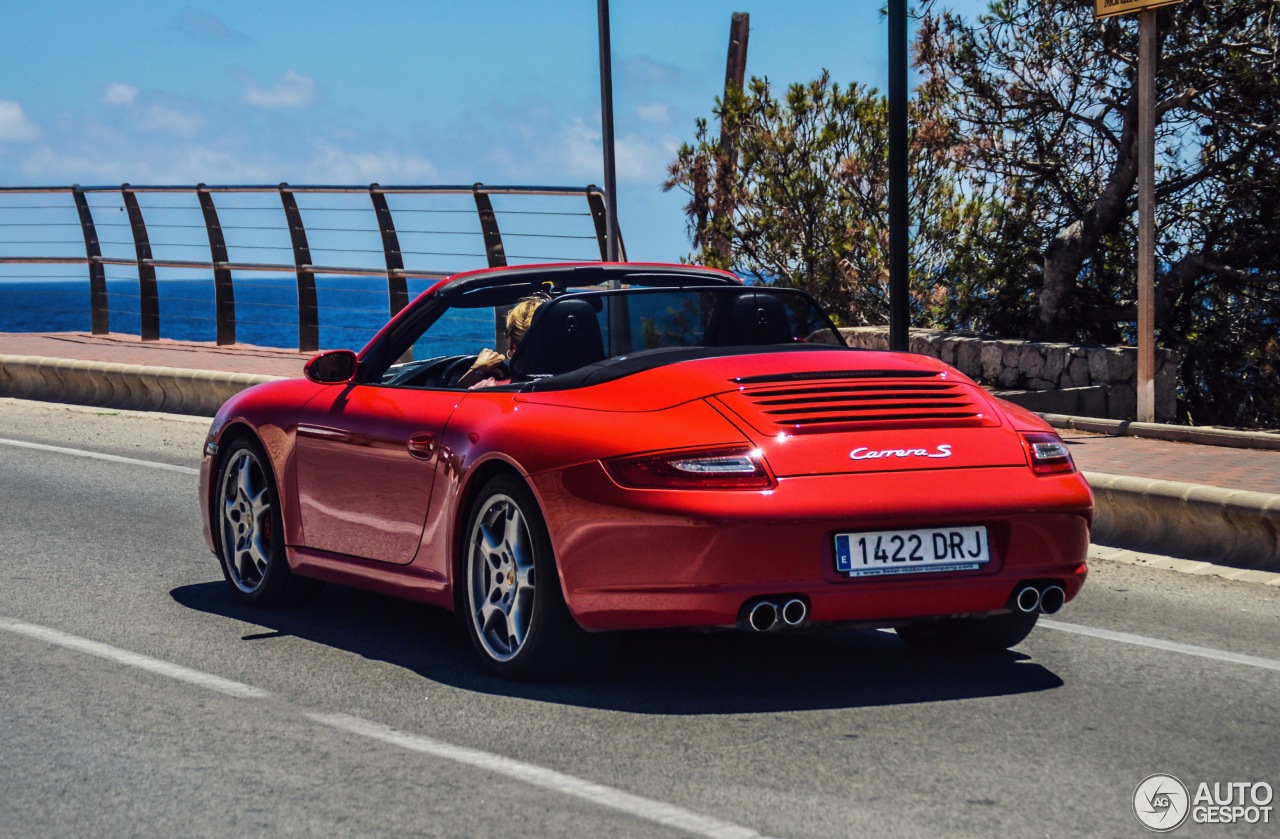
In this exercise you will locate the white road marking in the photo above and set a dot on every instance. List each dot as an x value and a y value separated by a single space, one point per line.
648 809
1158 644
185 470
142 662
645 808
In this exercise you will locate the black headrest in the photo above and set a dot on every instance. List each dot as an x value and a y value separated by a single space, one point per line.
564 336
750 319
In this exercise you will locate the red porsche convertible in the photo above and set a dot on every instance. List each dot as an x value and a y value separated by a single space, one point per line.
554 451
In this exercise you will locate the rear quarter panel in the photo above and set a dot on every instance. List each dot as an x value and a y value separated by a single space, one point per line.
491 431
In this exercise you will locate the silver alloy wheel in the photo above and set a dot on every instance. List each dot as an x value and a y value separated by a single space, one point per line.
500 568
246 520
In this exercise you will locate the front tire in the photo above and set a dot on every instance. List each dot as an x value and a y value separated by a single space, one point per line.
991 634
250 531
515 613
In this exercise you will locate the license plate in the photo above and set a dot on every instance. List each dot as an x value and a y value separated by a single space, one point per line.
912 551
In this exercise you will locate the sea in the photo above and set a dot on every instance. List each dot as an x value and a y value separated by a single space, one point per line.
351 309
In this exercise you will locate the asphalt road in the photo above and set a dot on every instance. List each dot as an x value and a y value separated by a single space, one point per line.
137 699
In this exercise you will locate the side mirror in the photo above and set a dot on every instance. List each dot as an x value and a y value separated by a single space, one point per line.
331 367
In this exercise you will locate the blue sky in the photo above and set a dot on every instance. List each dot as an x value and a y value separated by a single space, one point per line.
397 92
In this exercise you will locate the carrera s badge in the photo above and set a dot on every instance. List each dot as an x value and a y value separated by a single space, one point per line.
864 453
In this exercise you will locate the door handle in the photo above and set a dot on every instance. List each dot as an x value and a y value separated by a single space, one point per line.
322 433
422 445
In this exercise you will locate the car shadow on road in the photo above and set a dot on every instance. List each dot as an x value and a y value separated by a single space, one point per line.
682 673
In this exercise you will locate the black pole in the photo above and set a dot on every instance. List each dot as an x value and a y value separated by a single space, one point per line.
899 271
606 126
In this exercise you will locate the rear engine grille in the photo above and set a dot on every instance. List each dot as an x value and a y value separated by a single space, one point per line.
882 404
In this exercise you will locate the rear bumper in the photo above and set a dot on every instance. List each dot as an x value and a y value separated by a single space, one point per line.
632 559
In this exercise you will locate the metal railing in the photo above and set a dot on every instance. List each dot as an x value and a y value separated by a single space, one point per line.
140 253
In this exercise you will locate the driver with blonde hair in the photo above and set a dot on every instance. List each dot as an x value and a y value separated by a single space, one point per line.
490 366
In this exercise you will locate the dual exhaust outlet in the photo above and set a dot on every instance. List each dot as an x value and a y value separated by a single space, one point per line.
1045 599
782 613
791 613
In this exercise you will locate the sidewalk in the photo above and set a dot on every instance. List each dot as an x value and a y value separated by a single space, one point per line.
1218 502
1211 502
130 349
1216 466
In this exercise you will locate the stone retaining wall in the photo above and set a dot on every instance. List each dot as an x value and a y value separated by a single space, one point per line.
1031 366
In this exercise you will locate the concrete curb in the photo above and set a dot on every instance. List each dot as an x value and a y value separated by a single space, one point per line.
129 386
1224 526
1231 437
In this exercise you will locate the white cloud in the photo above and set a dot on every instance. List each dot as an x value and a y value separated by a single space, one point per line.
580 149
336 164
14 125
654 112
201 24
643 158
640 157
641 72
292 90
47 164
165 120
152 113
119 93
538 145
112 153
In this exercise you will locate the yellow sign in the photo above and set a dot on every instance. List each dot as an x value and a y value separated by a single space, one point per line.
1107 8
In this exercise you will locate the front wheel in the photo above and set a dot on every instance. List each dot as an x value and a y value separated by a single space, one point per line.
515 612
969 635
250 532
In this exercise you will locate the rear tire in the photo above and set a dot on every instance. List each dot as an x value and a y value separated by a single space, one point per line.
969 635
250 531
515 612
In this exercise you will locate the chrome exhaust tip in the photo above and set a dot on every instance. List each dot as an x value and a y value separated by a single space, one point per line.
763 616
794 612
1027 599
1052 599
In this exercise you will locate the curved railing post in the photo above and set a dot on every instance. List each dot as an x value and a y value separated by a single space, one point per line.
148 292
99 316
224 295
308 309
397 286
595 201
495 255
493 250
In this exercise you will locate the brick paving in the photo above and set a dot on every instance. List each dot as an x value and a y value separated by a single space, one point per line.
1252 469
1219 466
130 349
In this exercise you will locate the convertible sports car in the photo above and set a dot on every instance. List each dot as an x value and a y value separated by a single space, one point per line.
663 446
